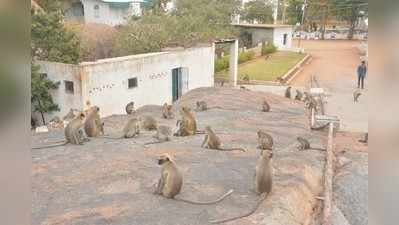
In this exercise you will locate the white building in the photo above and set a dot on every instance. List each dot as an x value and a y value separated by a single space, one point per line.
110 12
279 35
153 78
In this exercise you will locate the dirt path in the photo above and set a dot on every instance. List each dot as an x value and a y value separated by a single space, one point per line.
334 64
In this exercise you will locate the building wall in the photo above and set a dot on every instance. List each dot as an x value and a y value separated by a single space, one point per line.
278 35
261 35
62 72
107 13
105 83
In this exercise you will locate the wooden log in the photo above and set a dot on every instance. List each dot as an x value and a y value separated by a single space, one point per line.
328 176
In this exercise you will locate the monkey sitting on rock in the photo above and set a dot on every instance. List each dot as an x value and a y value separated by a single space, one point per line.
93 125
265 106
163 134
305 145
171 181
265 140
130 108
288 92
212 141
130 130
187 125
203 106
263 183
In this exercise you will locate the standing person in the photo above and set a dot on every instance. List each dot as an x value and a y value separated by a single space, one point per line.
361 74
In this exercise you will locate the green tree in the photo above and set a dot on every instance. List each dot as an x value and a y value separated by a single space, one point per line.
41 98
350 11
259 10
50 40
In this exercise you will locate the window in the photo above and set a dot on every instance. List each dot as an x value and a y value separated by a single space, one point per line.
132 83
69 87
43 75
97 11
285 39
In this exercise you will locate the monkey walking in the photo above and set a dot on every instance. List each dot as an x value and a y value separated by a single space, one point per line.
366 138
93 125
356 95
171 181
130 130
167 111
73 133
263 183
163 135
212 141
265 106
305 145
265 140
288 92
202 106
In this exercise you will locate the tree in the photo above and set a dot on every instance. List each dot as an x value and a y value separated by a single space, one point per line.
41 98
50 40
350 11
258 10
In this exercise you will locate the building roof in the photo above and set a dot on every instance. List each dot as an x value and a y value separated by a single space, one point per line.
263 26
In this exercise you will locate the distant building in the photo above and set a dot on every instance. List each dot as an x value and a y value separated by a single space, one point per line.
254 34
110 12
152 78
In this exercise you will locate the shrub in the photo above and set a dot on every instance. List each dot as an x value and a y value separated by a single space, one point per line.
221 63
246 56
268 49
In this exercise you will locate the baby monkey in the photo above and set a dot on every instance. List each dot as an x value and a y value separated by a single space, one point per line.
171 181
212 141
163 135
263 183
305 145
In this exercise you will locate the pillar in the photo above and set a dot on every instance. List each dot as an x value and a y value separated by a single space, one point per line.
233 63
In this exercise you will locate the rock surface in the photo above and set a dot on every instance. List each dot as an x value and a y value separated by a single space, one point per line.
111 181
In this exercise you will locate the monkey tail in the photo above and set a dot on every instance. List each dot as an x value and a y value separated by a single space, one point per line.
207 203
232 149
154 142
263 197
51 146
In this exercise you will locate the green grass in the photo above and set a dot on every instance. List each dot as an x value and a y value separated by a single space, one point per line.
267 70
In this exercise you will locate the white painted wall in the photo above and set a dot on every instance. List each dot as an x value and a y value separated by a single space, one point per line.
61 72
105 82
108 14
278 37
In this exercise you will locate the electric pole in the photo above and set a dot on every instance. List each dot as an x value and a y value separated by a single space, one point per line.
302 21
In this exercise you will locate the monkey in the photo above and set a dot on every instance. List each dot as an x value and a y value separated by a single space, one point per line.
93 125
130 108
321 127
149 123
265 106
280 80
246 78
171 181
212 141
288 92
366 138
244 88
187 125
163 135
356 95
298 95
203 106
307 96
167 111
130 130
263 183
73 133
265 140
311 103
305 145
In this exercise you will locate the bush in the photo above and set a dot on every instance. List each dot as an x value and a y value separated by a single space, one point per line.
221 63
268 49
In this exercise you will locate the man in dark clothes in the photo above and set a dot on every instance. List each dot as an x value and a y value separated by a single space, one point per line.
361 74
